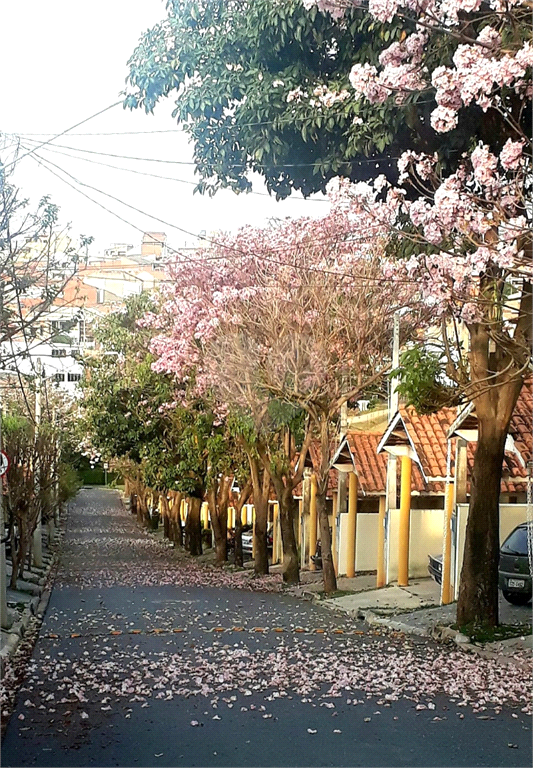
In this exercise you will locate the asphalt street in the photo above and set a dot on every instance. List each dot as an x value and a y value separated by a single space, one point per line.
145 658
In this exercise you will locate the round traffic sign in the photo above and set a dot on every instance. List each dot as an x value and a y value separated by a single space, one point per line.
4 463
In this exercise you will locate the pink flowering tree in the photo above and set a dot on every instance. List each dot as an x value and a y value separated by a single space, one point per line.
463 237
291 314
201 299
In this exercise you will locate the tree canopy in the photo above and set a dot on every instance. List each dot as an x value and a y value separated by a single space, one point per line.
264 86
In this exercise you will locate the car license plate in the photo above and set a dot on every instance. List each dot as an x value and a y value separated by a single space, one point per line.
516 583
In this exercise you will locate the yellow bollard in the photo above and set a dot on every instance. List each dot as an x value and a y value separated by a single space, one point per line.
334 533
405 516
205 514
352 525
381 575
275 518
312 523
253 533
446 596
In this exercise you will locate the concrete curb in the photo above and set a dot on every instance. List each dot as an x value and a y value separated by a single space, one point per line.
398 626
438 632
36 607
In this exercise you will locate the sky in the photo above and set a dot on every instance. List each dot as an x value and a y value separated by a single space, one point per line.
63 61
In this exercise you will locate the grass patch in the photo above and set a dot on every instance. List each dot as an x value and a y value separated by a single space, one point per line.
479 633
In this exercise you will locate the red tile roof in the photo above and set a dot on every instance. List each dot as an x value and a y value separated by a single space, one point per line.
371 466
428 436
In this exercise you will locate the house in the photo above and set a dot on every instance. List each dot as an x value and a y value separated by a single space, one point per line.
406 479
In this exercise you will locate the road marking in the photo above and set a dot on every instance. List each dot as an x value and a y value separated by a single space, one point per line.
180 630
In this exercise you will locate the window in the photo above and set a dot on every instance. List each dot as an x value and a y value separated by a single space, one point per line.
516 543
74 376
59 353
59 377
85 332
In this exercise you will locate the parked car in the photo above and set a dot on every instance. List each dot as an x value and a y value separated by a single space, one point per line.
435 567
248 539
514 573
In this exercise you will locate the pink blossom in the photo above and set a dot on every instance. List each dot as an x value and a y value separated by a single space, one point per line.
470 313
419 211
383 10
490 37
432 232
363 78
443 119
484 164
511 154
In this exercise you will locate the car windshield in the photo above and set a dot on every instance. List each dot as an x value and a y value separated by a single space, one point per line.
516 543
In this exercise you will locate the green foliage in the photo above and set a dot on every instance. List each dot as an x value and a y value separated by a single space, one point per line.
69 482
131 412
422 380
232 65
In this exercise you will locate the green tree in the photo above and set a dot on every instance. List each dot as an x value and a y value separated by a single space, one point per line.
263 86
134 414
232 66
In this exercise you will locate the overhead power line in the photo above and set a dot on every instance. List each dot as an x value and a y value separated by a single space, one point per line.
45 163
62 133
369 160
171 178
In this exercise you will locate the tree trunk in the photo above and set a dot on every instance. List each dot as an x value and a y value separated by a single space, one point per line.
328 569
218 499
14 559
165 512
261 487
144 516
478 593
238 554
219 524
176 527
291 569
193 526
494 404
322 476
260 534
238 504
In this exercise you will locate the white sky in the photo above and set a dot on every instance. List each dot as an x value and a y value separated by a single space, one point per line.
62 61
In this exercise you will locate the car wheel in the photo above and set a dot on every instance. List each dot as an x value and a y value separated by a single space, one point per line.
516 598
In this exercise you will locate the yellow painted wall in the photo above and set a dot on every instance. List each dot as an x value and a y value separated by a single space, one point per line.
425 538
366 542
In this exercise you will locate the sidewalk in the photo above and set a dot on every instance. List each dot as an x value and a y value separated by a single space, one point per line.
414 609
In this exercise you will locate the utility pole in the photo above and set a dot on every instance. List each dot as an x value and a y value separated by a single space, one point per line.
38 534
392 461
